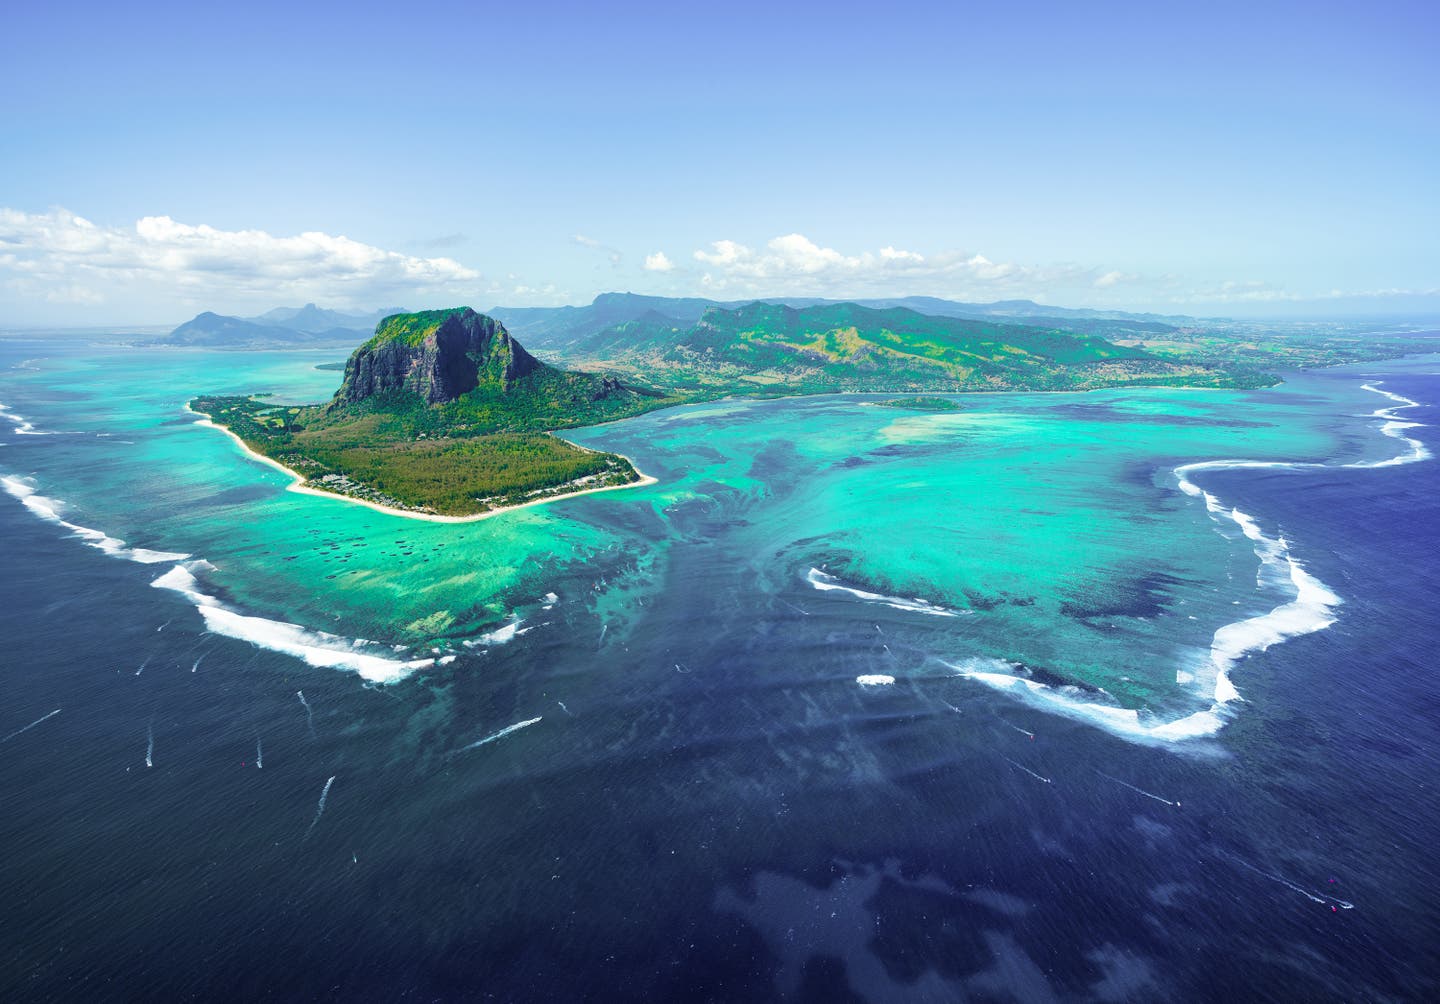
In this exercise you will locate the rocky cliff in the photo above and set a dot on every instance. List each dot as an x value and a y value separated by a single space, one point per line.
437 354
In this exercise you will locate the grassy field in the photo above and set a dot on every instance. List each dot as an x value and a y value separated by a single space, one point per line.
382 458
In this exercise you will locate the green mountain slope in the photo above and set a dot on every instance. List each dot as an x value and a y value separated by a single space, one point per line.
846 346
443 412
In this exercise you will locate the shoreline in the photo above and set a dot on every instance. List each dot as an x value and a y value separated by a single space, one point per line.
298 485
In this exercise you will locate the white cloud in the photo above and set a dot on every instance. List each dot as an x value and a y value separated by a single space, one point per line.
657 262
613 255
795 264
62 257
1110 279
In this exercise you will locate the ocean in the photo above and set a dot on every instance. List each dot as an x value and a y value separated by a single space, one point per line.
1026 701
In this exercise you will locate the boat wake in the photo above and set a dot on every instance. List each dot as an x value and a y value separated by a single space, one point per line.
499 735
320 809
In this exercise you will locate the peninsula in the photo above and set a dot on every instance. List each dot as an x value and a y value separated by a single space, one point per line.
443 415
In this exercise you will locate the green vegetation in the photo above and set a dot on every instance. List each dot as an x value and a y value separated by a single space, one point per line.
411 330
921 404
375 458
764 348
1255 349
403 433
443 412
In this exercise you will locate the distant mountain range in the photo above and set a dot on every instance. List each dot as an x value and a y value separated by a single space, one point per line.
770 348
284 327
566 328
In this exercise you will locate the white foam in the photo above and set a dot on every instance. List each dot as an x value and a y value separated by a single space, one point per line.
1067 701
318 648
49 509
23 426
1395 429
825 583
499 636
1311 608
874 680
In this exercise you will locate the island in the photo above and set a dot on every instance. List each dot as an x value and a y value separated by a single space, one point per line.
442 415
919 403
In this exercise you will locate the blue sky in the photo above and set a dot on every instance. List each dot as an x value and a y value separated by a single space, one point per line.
1220 159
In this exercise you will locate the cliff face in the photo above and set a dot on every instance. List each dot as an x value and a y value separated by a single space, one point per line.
438 354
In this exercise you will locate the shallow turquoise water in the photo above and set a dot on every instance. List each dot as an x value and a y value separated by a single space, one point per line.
702 799
1046 531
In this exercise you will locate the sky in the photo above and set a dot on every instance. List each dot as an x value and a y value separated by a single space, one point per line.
1215 159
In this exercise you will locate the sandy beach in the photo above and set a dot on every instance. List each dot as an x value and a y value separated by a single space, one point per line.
298 485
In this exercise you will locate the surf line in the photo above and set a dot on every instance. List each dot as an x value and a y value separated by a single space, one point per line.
31 725
1141 791
498 735
1306 605
1021 766
320 809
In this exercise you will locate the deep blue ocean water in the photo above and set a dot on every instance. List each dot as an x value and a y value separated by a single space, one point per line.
703 839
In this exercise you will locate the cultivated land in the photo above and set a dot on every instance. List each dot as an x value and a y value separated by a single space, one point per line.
443 414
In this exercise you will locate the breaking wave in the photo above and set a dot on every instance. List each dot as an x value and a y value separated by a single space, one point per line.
826 582
23 426
1308 606
49 509
318 648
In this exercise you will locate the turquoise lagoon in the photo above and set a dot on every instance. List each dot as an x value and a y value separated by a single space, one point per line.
1040 544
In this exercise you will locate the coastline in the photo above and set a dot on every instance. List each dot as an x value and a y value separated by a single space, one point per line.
298 485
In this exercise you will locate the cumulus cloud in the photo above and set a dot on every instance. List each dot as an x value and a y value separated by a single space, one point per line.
63 257
793 263
658 262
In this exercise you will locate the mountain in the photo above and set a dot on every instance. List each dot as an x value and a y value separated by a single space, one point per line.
772 348
220 331
284 327
557 327
315 319
443 412
563 329
438 354
455 370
